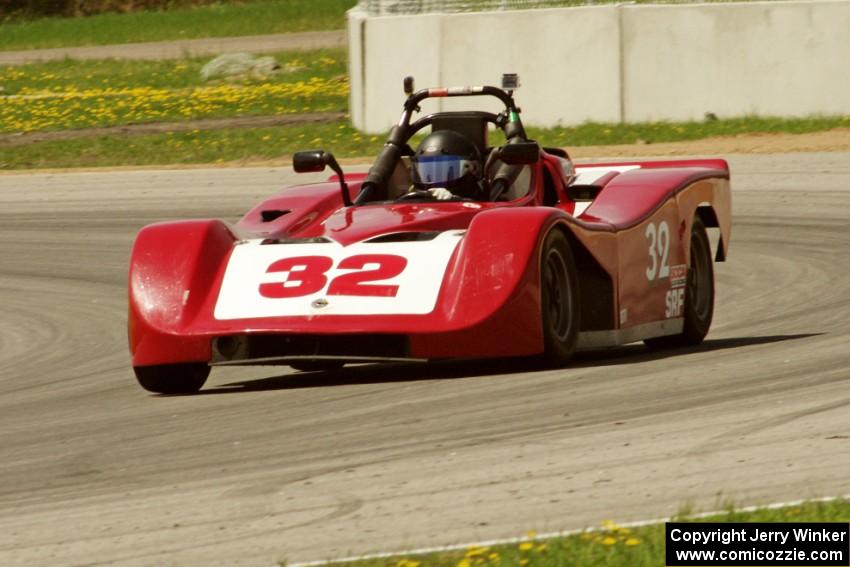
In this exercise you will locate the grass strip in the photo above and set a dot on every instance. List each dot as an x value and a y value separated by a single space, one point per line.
217 20
129 130
194 147
86 94
598 134
278 143
610 546
96 108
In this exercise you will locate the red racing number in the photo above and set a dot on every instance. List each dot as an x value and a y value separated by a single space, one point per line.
308 275
354 283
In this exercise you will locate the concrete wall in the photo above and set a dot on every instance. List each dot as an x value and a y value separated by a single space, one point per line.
767 58
613 63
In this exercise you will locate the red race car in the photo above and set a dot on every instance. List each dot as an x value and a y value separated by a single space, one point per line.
454 248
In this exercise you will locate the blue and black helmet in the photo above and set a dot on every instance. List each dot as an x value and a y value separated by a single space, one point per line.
447 159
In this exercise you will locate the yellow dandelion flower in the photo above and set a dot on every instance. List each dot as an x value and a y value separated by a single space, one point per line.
463 563
609 541
476 551
526 546
632 541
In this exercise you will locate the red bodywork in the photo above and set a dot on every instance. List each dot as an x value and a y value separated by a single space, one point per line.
488 302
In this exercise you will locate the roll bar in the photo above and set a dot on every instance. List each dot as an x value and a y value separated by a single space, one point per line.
396 143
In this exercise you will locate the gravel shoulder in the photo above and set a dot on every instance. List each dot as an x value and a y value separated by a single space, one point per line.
837 140
154 50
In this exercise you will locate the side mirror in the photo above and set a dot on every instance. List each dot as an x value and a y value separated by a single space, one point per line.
309 161
520 153
316 160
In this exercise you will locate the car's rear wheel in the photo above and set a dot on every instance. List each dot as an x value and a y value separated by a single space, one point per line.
559 299
699 294
316 365
184 378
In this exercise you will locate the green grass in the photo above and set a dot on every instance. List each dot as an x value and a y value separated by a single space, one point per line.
611 546
82 94
218 20
248 144
596 134
211 146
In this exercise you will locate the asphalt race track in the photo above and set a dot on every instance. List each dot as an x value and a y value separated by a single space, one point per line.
265 465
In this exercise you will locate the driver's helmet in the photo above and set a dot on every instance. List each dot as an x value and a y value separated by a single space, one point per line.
447 159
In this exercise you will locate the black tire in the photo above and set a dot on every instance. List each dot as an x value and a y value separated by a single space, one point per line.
183 378
559 299
699 294
316 365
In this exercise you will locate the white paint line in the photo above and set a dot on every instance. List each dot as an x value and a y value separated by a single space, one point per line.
552 535
590 174
580 207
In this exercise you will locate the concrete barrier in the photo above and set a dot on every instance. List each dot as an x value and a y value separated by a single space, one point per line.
766 58
613 63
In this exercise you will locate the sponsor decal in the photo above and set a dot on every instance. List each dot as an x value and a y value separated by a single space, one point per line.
678 276
674 302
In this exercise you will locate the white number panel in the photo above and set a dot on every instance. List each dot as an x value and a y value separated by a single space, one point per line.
277 280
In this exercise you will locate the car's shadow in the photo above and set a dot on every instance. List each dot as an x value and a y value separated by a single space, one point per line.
469 368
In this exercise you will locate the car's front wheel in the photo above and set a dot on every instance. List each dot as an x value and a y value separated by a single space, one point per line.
184 378
559 299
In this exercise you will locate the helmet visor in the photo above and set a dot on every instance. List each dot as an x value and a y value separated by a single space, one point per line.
440 170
